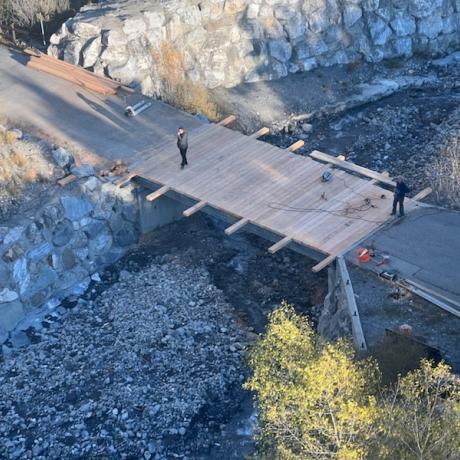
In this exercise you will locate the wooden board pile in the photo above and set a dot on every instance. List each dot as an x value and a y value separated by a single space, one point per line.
73 73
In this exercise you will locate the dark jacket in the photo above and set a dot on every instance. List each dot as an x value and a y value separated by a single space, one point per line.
401 189
182 141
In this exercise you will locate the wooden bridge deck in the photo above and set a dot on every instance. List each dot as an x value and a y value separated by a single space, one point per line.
269 187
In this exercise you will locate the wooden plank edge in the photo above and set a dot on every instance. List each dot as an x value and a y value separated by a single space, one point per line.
261 132
157 193
321 156
227 121
324 263
423 194
195 208
125 181
296 145
434 300
236 226
66 180
280 244
430 291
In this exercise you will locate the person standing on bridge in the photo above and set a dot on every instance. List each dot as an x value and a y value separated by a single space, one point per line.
400 193
182 144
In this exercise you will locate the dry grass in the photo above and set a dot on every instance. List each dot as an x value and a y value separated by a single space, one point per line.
444 174
178 90
21 163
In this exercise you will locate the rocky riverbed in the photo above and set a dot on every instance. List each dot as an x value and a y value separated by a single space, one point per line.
149 362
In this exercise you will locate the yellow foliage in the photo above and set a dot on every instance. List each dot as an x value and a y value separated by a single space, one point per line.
178 90
314 400
421 416
317 401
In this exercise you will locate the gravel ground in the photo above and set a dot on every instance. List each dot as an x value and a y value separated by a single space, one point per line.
126 376
149 362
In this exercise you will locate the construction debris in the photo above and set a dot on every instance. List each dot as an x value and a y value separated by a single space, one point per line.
136 109
73 73
119 168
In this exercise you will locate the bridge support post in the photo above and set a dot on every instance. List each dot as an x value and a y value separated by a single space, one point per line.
157 213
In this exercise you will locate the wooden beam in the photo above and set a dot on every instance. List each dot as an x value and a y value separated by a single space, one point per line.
236 226
125 180
280 245
358 334
262 132
195 208
352 167
157 193
228 121
66 180
434 300
324 263
423 194
296 145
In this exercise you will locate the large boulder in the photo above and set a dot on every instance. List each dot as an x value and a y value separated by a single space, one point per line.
431 26
91 51
75 208
10 315
379 30
403 24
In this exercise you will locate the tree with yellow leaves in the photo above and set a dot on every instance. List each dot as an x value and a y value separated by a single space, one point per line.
317 401
314 400
421 415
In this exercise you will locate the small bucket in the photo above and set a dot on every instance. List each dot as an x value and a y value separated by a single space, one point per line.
364 255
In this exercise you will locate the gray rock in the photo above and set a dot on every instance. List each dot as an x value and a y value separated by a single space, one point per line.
84 29
423 8
72 51
84 170
3 336
62 234
91 184
100 244
379 30
403 46
94 228
76 208
91 51
10 315
19 339
431 26
403 24
33 233
68 259
126 236
125 73
63 158
351 14
40 252
13 253
13 235
4 275
20 275
280 50
8 296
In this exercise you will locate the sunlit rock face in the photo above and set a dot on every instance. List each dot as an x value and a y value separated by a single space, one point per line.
224 43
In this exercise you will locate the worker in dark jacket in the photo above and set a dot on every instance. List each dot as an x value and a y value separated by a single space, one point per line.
400 193
182 144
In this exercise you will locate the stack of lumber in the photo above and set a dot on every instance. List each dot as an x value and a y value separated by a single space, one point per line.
73 73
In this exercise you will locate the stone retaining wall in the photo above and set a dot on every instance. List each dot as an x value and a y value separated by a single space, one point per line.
52 252
224 43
